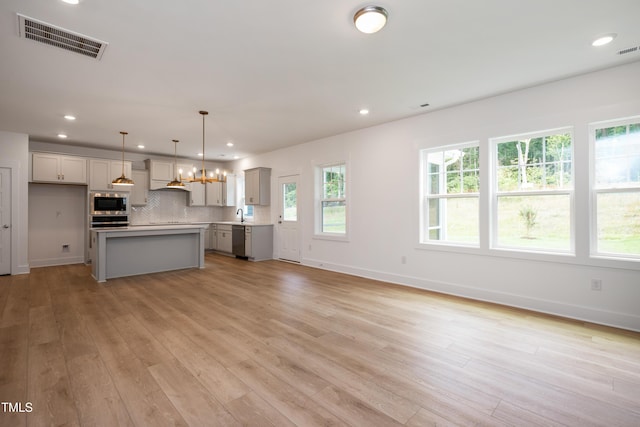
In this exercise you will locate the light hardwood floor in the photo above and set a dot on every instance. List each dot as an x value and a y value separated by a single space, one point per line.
272 343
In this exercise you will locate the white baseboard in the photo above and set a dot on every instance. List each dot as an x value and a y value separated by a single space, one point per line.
50 262
577 312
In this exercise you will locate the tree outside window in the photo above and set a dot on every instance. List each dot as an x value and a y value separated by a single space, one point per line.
333 203
534 191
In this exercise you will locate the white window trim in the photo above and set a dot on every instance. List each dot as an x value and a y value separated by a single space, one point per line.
495 194
424 197
317 209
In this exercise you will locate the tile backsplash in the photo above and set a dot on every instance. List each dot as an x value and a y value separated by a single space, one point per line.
170 206
165 206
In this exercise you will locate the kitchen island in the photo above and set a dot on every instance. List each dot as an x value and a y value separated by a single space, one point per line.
129 251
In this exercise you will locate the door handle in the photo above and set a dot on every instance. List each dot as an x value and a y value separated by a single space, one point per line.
5 226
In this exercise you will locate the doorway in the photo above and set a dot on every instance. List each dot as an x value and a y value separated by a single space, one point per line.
288 226
5 221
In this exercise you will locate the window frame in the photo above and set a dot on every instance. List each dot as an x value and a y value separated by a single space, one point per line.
426 196
496 194
595 189
319 200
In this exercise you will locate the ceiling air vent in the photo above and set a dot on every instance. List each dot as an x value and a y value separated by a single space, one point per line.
43 32
628 50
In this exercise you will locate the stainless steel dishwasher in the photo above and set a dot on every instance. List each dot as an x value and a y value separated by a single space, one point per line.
237 240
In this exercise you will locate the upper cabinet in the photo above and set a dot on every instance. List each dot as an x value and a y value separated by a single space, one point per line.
214 194
229 191
195 193
257 186
102 172
58 168
140 191
160 173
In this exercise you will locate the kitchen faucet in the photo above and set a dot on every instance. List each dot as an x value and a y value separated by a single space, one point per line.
241 214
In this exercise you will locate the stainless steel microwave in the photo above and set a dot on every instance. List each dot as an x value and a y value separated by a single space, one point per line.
109 204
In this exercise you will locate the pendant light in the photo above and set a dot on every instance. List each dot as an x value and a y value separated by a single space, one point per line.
123 180
370 19
203 175
176 183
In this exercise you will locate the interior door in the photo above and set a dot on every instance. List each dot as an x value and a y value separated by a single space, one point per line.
288 220
5 221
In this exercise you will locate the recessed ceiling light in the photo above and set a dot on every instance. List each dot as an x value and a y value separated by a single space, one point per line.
370 19
603 40
71 1
236 157
140 146
62 135
200 154
70 117
364 112
229 144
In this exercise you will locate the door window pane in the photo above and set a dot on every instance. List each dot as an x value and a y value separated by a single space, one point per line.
290 201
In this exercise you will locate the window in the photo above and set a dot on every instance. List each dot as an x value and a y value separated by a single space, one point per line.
533 187
246 209
332 212
616 188
450 205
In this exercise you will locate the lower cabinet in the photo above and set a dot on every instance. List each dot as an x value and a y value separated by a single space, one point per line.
258 242
224 239
213 237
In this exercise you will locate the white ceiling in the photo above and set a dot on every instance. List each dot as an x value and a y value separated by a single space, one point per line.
282 72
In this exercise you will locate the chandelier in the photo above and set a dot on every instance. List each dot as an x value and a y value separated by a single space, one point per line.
203 178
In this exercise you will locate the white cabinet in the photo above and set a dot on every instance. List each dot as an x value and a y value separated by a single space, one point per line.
213 237
160 173
247 241
258 242
140 191
214 194
257 186
224 238
196 193
48 167
229 191
102 172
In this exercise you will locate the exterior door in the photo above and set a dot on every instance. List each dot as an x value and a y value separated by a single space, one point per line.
288 220
5 221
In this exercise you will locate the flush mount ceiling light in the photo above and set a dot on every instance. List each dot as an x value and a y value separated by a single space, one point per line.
603 40
370 19
123 180
176 183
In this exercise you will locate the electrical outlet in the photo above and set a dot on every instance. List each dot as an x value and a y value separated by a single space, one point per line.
403 259
65 248
596 284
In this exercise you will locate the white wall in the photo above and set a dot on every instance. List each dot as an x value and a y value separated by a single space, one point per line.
57 217
14 154
383 188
